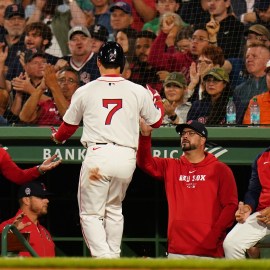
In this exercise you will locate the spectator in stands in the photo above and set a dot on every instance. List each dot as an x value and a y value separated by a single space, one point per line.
229 36
13 173
121 17
163 54
255 34
253 214
33 200
141 72
60 18
257 56
82 59
211 56
183 39
3 5
13 38
194 12
99 35
262 9
263 101
127 38
162 6
175 104
142 11
49 111
201 193
211 109
26 83
101 14
38 36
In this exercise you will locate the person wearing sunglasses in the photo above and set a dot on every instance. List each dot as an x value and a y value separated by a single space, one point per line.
200 190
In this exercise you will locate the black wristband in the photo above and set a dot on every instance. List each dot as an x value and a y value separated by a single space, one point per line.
173 117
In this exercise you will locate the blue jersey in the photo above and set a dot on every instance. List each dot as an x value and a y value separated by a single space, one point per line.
88 71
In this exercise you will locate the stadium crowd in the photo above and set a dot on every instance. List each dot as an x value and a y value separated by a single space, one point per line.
179 41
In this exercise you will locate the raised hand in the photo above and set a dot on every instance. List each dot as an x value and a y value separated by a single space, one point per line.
50 163
212 28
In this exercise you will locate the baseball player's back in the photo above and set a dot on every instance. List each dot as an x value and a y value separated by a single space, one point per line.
110 107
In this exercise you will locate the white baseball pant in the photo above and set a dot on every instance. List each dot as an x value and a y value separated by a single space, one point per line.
244 236
100 201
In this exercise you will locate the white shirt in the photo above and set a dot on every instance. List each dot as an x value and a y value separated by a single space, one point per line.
111 108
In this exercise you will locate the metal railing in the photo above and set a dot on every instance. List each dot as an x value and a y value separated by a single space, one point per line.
23 241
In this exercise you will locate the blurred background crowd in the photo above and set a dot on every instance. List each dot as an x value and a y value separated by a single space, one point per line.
199 54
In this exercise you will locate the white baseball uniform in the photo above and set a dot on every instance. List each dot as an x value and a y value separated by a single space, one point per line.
110 108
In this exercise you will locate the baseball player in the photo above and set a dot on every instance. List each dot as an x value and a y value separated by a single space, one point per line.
19 176
110 107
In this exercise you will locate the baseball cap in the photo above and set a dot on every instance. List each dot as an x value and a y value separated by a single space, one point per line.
194 125
30 54
78 29
14 10
218 73
259 30
267 66
262 4
33 188
121 5
99 32
175 78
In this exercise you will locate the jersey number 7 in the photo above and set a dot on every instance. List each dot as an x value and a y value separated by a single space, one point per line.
118 106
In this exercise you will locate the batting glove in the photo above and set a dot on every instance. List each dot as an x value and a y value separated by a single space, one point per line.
54 131
154 93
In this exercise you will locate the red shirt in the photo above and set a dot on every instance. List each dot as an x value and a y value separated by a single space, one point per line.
12 172
49 114
163 58
40 239
202 200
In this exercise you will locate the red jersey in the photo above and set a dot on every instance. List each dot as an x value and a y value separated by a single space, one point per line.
49 114
40 239
12 172
202 200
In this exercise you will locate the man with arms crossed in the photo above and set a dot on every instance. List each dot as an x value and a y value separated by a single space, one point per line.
110 108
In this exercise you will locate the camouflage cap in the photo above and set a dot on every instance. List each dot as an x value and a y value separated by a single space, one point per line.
219 73
176 78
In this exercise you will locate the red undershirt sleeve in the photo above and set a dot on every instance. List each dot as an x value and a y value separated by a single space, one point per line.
65 131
